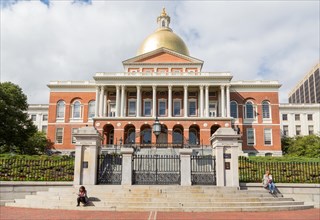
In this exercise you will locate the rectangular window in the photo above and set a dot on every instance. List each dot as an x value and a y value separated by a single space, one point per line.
59 135
132 107
192 108
267 136
112 112
285 130
297 117
212 109
73 131
177 107
284 117
44 129
310 129
44 117
298 129
162 107
212 94
310 118
250 137
147 108
33 117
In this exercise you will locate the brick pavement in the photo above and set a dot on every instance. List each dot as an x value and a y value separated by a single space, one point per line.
10 213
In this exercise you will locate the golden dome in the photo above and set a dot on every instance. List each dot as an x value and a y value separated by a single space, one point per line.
163 37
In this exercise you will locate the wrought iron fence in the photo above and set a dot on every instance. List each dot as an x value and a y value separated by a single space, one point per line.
203 170
36 170
282 172
109 169
156 169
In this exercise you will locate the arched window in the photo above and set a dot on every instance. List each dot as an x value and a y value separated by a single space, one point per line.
193 136
60 109
234 109
177 136
146 136
76 110
268 154
249 110
131 136
265 109
91 109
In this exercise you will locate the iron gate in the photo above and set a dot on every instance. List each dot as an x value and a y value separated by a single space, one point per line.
203 170
109 169
156 169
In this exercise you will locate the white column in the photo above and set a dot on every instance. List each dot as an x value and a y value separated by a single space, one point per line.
138 101
96 111
228 100
185 101
126 177
117 101
154 101
170 101
101 101
122 101
207 100
104 112
223 106
185 166
201 101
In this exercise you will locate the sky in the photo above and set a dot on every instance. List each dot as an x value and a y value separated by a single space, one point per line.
43 41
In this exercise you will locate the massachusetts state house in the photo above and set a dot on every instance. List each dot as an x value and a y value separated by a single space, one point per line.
164 84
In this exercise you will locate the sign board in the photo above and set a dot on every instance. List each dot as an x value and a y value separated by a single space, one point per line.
226 156
85 164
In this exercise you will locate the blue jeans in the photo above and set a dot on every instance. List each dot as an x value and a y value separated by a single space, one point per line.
271 186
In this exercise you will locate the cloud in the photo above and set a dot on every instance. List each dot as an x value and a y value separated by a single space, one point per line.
71 40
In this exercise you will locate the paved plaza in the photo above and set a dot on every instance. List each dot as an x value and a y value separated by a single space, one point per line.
8 213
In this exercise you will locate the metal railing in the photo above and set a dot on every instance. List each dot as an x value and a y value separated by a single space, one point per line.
154 145
203 170
36 170
109 169
282 172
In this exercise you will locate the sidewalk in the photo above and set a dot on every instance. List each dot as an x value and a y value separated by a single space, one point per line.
10 213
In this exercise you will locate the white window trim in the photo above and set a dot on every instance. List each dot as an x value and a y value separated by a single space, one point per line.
255 112
254 136
61 119
264 137
72 135
90 118
110 112
215 110
177 101
56 136
195 101
73 119
144 107
165 102
135 111
267 120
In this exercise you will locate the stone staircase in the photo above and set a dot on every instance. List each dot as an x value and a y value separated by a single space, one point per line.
161 198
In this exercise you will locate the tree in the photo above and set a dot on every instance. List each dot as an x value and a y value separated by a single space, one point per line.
302 146
15 126
37 143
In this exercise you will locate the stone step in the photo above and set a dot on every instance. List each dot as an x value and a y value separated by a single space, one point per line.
149 199
176 209
158 204
4 201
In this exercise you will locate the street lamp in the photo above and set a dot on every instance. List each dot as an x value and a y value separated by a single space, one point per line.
156 127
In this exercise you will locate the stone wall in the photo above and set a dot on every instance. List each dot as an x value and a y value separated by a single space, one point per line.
10 190
308 193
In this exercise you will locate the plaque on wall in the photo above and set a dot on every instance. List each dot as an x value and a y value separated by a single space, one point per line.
85 164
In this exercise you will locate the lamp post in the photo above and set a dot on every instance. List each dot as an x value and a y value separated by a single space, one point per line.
156 127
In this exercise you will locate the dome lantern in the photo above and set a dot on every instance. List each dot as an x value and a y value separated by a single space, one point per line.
163 20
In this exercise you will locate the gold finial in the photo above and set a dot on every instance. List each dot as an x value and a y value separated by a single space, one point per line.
163 13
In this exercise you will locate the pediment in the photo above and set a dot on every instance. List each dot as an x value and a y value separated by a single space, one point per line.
162 55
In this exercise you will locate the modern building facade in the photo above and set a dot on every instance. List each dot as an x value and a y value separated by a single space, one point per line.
308 89
39 116
299 119
163 81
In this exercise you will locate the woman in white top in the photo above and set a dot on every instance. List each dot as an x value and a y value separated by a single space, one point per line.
267 181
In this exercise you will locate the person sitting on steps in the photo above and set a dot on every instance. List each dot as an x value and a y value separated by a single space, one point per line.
267 182
82 196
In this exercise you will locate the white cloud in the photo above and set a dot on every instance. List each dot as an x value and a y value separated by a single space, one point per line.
254 40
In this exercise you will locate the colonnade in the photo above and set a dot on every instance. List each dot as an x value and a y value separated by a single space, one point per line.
203 96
